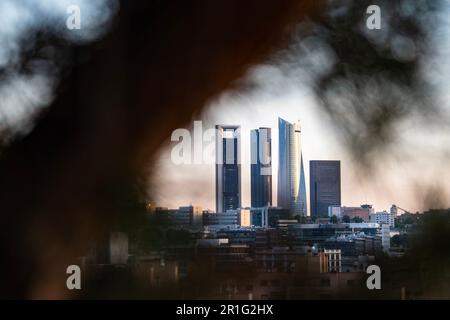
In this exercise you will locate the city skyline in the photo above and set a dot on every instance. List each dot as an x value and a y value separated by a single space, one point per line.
228 164
196 181
391 177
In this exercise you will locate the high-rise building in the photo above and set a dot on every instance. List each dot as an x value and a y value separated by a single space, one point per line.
325 186
228 168
291 177
261 167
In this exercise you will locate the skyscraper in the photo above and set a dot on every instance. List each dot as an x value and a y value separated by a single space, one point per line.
228 168
291 176
325 186
261 167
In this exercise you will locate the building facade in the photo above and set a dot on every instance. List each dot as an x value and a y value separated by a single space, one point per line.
384 217
325 186
228 168
268 217
228 218
261 167
362 212
188 215
291 177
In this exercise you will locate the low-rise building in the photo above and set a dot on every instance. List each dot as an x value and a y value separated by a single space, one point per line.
362 212
268 217
230 217
383 218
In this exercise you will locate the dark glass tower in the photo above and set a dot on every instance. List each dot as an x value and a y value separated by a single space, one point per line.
228 168
325 186
261 167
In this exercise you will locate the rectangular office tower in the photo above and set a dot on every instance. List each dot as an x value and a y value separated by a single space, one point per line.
325 186
261 167
228 168
291 176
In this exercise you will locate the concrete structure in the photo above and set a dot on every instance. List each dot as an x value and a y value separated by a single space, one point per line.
244 217
261 167
334 211
291 177
325 186
228 168
362 212
385 237
383 218
394 210
268 216
187 216
301 234
354 244
331 260
230 217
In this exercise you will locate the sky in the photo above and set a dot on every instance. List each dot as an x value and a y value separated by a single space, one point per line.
24 94
413 174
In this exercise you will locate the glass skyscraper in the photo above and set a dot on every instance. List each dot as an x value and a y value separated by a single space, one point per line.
261 167
325 186
291 176
228 168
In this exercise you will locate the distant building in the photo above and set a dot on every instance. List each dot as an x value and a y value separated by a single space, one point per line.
394 210
354 244
244 217
383 218
268 216
238 235
335 211
183 216
325 186
259 217
228 168
310 234
261 167
362 212
228 218
188 215
291 176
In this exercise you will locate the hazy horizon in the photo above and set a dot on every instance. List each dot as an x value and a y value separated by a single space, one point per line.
408 169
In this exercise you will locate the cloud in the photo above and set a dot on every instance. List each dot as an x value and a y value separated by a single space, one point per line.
27 83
